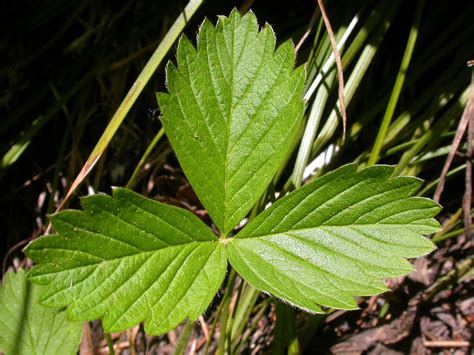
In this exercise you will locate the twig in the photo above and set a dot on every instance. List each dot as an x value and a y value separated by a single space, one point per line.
12 249
192 348
204 327
465 118
450 278
246 6
120 346
127 60
131 341
87 345
467 200
446 343
308 30
340 75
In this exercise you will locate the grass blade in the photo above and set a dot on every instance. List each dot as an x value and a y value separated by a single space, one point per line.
387 118
134 93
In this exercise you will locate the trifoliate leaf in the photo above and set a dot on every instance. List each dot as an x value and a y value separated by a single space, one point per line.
233 109
26 327
127 259
336 238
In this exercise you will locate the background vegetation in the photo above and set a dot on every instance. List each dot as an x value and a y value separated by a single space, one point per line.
66 66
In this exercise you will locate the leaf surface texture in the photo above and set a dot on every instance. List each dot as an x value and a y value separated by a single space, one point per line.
26 327
127 259
233 108
336 238
232 111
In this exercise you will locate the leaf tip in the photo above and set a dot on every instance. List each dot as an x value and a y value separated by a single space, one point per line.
206 27
234 13
171 72
431 247
162 99
300 73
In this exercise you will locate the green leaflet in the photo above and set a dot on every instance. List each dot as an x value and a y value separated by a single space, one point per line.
127 259
232 111
26 327
336 238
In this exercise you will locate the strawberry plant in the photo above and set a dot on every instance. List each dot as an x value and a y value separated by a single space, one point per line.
232 113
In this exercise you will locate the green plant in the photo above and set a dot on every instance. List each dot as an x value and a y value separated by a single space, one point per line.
232 115
27 327
232 111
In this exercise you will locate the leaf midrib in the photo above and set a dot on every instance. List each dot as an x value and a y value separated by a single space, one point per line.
147 233
115 258
228 125
326 250
229 150
272 234
128 278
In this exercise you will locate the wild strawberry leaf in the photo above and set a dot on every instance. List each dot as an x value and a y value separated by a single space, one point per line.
336 238
127 259
26 327
233 109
